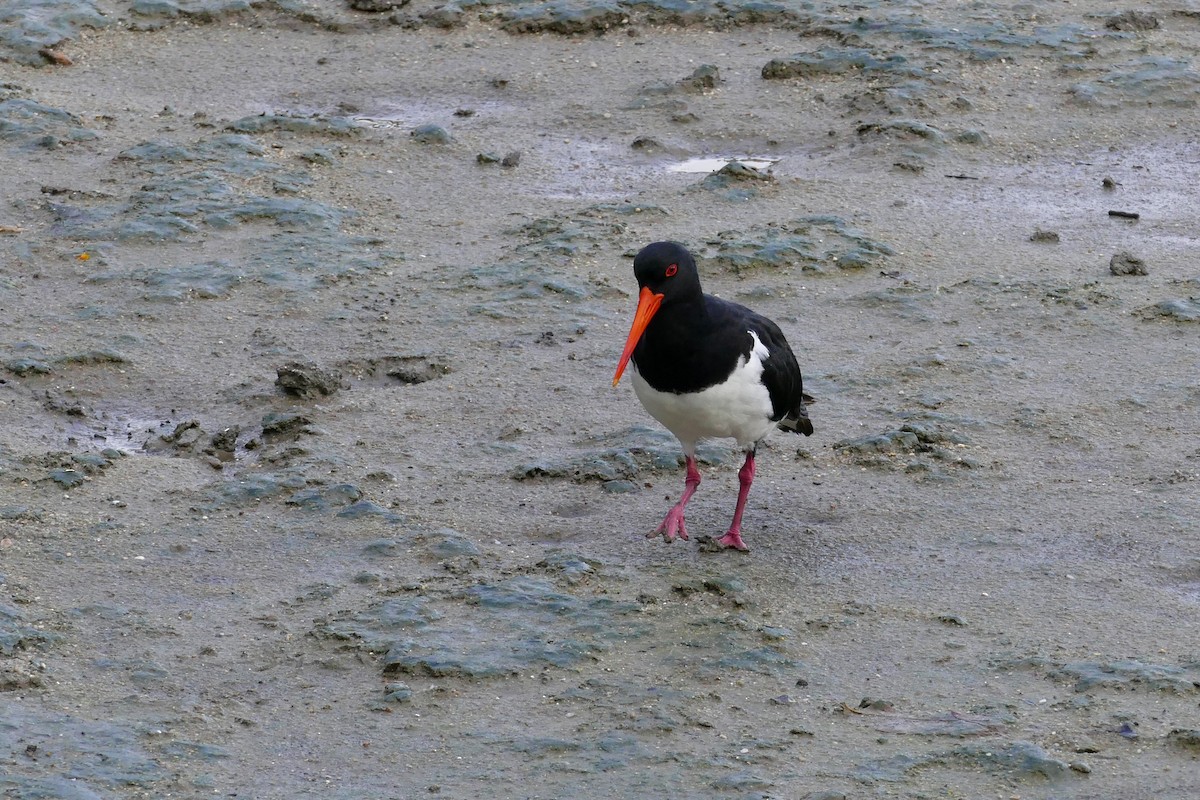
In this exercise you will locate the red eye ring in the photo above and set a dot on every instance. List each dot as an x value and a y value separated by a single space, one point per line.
671 270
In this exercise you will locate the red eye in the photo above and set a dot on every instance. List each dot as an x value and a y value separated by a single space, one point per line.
671 270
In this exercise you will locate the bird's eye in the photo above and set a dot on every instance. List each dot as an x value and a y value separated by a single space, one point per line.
671 270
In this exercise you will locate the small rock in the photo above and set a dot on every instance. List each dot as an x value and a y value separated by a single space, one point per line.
414 369
377 5
67 478
487 158
876 704
283 423
972 137
226 440
1132 21
1109 184
703 79
1040 235
511 159
55 57
307 380
723 585
450 15
1124 263
737 171
430 134
397 692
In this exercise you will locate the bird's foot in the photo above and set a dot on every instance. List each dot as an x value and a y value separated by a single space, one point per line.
733 539
672 526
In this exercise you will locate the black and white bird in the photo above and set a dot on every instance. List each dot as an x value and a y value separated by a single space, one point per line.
707 368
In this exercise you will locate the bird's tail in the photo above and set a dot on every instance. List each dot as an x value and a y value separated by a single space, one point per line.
797 420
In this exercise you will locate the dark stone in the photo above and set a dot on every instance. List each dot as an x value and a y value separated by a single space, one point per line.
705 78
1132 21
226 440
285 423
1124 263
377 5
413 370
449 15
307 380
430 134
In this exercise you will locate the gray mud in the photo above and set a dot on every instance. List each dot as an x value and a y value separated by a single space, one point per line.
312 482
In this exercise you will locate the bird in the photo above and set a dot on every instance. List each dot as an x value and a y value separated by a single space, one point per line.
705 367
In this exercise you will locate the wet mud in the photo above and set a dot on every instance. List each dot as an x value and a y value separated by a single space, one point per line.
313 483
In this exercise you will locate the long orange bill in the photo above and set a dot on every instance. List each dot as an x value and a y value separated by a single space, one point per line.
648 303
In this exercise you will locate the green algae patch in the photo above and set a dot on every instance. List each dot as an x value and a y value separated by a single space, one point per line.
492 630
813 244
208 192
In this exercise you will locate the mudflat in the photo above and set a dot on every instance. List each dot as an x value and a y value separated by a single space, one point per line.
313 482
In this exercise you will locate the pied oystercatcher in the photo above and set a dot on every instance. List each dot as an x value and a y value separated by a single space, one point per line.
707 368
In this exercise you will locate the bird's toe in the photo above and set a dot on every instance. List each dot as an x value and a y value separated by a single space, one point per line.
733 541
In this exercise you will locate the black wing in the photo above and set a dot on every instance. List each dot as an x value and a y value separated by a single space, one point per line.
781 374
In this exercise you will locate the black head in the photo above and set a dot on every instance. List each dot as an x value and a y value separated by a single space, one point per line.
666 275
667 268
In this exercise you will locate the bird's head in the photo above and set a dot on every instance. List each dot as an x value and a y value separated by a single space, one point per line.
666 273
668 269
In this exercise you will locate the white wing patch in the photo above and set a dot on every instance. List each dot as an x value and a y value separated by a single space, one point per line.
740 407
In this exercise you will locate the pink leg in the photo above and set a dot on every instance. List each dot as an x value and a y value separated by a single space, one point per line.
745 477
672 524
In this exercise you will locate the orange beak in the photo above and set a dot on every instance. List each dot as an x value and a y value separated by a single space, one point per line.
648 303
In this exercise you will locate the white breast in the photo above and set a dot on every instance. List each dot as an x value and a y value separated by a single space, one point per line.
740 407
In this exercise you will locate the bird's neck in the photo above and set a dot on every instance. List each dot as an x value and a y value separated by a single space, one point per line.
688 310
675 323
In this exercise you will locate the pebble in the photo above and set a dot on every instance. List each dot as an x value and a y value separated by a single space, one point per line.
1125 263
430 134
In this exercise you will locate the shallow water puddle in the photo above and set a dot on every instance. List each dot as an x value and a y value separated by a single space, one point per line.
409 112
702 164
